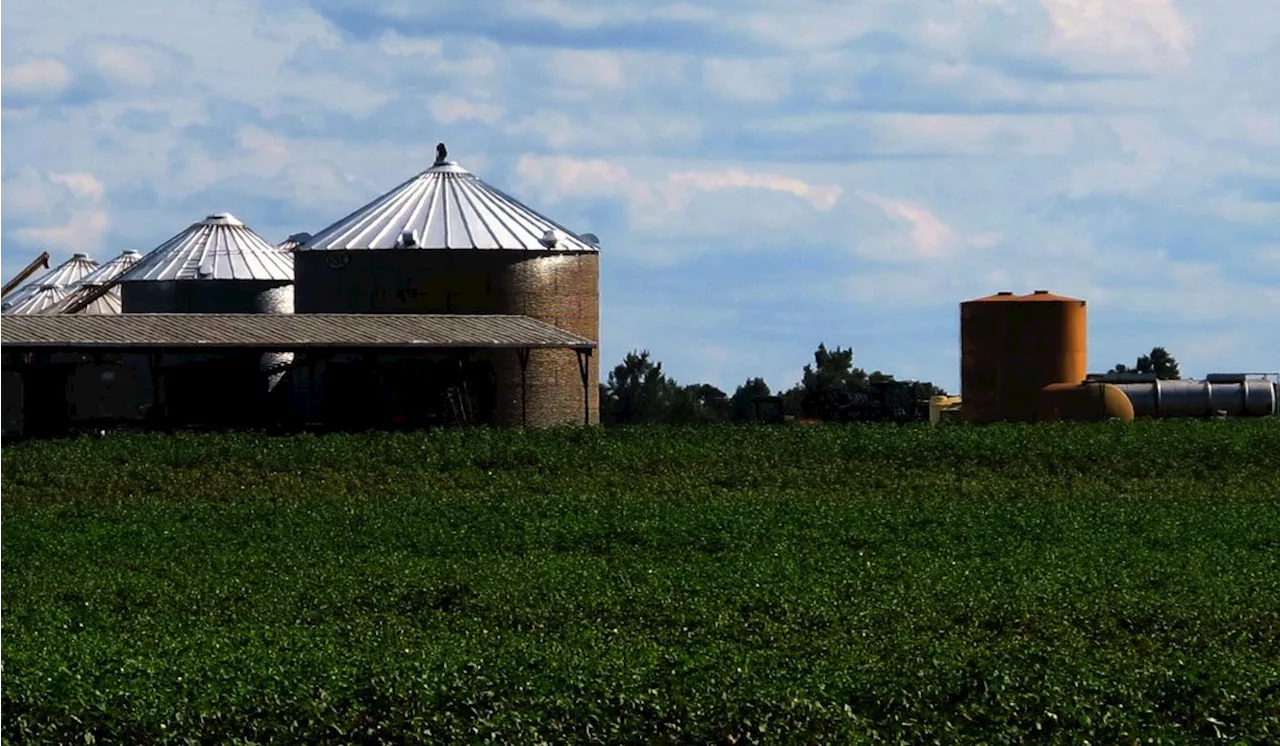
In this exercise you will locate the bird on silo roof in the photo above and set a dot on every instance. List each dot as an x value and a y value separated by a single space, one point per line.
442 153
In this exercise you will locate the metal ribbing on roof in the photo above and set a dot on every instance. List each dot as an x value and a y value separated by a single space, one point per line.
40 301
447 207
293 242
220 247
60 277
109 302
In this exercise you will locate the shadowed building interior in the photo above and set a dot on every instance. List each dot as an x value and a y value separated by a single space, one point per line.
404 369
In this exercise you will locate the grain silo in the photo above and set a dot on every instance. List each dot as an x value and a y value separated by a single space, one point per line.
217 265
1013 346
292 243
97 293
446 242
45 292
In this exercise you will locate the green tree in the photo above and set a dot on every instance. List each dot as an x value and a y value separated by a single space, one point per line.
741 408
638 391
1158 362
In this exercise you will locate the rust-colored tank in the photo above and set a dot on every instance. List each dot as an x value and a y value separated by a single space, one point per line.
1013 346
982 355
1083 402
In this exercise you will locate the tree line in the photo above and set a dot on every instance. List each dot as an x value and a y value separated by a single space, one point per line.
639 391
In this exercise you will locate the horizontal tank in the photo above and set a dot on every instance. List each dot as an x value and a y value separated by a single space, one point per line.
1182 398
1083 402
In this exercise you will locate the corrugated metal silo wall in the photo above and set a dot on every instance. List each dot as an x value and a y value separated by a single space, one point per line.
559 289
205 296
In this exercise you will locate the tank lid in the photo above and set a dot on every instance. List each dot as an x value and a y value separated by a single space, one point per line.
1045 295
1003 295
79 256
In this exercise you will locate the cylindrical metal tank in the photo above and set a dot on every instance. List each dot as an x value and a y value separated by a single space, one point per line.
561 289
1013 346
1201 398
206 296
982 356
216 265
1083 402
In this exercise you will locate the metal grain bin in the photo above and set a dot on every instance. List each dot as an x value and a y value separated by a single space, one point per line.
44 293
447 242
88 287
217 265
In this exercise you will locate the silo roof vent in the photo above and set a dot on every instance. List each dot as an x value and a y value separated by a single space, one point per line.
1005 292
1041 292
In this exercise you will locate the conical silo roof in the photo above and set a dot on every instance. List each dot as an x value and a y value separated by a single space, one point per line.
64 275
220 247
40 300
109 302
293 242
447 207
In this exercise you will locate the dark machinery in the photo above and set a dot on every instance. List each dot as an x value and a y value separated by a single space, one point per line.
27 271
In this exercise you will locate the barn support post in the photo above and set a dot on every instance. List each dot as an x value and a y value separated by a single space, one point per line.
523 354
584 359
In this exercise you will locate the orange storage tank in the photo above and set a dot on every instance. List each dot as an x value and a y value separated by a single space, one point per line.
1013 346
982 355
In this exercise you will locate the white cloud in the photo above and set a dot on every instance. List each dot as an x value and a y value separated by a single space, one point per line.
84 232
589 69
41 76
83 185
928 237
753 80
448 109
559 178
1149 33
679 185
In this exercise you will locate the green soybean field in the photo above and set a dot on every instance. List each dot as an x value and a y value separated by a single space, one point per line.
1007 584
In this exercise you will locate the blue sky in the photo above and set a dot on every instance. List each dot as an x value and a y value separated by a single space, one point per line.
763 176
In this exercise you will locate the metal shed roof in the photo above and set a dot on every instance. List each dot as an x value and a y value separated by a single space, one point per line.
66 274
447 207
220 247
284 331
